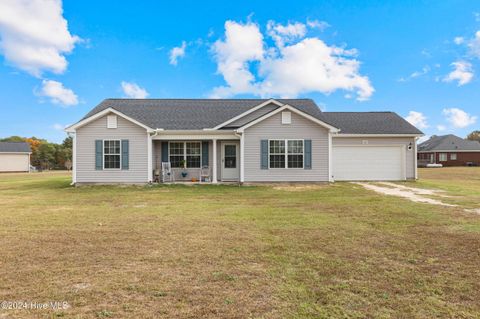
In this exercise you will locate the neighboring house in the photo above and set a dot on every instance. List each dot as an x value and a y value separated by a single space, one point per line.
242 140
14 157
449 150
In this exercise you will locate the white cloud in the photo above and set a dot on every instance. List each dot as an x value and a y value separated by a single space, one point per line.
57 93
474 45
294 66
459 118
315 24
417 119
458 40
441 128
423 139
282 34
177 52
132 90
416 74
59 127
35 35
243 43
463 73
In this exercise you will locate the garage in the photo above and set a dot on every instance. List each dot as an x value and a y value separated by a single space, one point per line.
14 157
368 162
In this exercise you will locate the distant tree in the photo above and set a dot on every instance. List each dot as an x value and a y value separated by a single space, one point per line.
68 164
474 136
34 145
46 155
13 139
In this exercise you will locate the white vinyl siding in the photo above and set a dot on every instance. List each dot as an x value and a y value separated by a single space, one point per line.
273 129
11 162
97 130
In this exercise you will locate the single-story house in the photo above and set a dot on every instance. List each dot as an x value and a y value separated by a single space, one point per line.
449 150
15 157
241 140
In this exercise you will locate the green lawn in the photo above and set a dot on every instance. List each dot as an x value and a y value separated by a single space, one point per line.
317 251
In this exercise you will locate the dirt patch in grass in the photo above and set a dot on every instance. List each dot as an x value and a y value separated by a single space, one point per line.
413 194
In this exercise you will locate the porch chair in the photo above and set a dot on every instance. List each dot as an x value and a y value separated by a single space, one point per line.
167 174
205 174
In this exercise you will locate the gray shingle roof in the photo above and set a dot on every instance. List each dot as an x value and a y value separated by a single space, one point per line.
370 123
193 114
197 114
448 143
14 147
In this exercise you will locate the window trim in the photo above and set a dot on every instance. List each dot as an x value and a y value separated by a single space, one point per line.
286 152
185 153
440 157
103 153
453 159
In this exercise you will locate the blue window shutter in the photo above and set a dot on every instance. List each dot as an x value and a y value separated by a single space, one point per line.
165 152
307 157
125 151
264 154
98 154
205 153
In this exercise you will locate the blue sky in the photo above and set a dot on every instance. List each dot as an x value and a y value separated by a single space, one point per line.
420 59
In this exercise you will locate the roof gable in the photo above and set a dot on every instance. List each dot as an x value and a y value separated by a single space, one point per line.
294 110
448 143
192 114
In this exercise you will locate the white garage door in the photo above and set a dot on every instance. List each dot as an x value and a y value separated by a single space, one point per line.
14 162
364 163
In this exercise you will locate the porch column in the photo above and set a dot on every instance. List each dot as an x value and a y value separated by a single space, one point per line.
149 158
242 161
214 161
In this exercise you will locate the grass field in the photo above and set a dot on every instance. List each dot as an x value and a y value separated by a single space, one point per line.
318 251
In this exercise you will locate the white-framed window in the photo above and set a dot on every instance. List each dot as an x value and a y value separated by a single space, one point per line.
295 153
112 150
442 157
285 153
276 155
111 121
188 152
453 156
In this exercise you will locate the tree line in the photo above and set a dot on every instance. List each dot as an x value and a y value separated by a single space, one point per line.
474 136
46 155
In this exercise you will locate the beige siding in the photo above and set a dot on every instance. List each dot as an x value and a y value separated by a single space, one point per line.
271 128
10 162
410 154
97 130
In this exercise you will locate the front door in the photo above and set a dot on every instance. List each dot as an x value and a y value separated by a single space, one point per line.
230 161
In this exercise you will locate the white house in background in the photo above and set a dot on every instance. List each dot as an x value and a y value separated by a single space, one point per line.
241 140
15 157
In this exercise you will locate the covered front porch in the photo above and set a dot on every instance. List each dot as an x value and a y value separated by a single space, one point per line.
185 157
